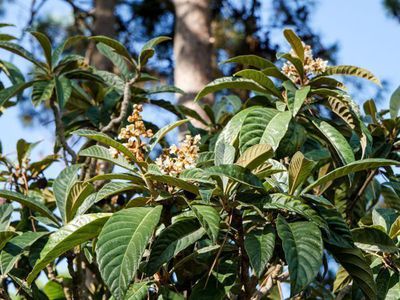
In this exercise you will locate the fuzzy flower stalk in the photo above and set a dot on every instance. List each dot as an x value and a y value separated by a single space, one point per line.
312 66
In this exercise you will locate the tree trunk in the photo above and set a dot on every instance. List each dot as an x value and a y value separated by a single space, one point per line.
104 24
192 49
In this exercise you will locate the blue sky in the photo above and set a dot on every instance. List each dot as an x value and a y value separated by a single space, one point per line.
366 35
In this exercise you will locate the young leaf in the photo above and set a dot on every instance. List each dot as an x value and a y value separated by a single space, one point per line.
121 245
299 170
295 42
259 246
78 231
356 166
302 244
173 240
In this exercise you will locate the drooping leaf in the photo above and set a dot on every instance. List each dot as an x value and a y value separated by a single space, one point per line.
255 156
357 166
259 245
229 82
209 219
353 71
356 265
276 129
14 249
373 239
62 185
173 240
103 153
28 201
302 244
121 245
78 231
299 169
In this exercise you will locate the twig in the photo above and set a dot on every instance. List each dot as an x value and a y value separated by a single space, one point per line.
269 282
60 132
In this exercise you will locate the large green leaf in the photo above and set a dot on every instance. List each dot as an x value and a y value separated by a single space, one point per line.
6 209
103 153
106 140
357 166
251 61
76 232
16 49
337 140
255 156
259 246
76 196
62 185
28 201
7 93
395 103
209 219
236 173
276 129
373 239
163 131
137 291
261 79
353 71
5 236
14 249
253 127
173 240
227 83
117 46
295 42
121 245
45 44
224 154
118 60
299 169
302 244
299 98
63 90
356 265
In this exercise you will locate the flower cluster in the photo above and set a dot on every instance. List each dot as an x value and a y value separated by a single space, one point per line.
176 159
311 66
133 134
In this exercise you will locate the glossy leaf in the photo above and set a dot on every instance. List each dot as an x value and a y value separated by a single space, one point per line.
373 239
209 219
276 129
236 173
295 42
299 169
163 131
255 156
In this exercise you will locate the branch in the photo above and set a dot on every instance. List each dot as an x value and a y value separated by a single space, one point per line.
124 105
269 282
60 132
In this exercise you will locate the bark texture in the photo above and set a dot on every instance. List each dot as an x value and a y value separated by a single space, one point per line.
192 49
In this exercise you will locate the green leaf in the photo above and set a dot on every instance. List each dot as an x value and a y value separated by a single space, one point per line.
356 265
373 239
353 71
276 129
337 140
14 249
209 219
137 291
122 176
103 153
251 61
254 125
12 72
395 103
42 91
299 98
227 83
61 187
357 166
121 245
296 62
155 41
299 169
224 154
12 91
78 231
77 194
54 290
302 244
106 140
163 131
115 58
6 209
259 246
5 236
255 156
29 202
236 173
117 46
295 42
16 49
395 229
63 89
173 240
45 44
384 217
260 78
